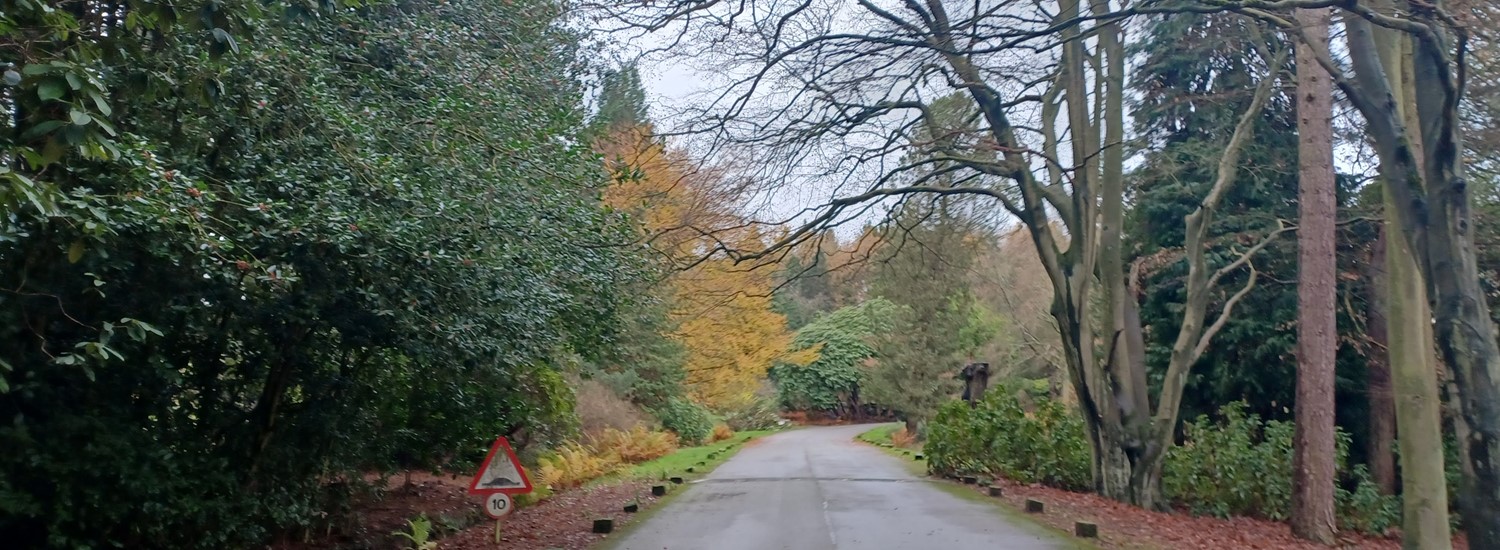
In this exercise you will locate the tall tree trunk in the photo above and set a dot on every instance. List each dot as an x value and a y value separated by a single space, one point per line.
1382 441
1120 444
1424 172
1465 330
1409 334
1125 468
1111 465
1313 459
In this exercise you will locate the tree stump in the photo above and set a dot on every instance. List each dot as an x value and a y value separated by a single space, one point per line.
976 377
996 491
632 508
604 525
1086 530
658 490
676 480
1034 506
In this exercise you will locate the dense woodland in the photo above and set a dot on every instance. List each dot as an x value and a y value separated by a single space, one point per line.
1230 257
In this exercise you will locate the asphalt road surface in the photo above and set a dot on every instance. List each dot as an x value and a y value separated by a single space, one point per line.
818 489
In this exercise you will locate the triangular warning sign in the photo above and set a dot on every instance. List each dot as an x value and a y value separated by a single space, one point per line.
501 472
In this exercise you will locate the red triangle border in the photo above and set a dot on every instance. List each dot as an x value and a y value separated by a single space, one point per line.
500 443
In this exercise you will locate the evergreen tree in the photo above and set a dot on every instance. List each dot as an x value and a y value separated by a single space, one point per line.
806 286
923 269
622 100
1195 79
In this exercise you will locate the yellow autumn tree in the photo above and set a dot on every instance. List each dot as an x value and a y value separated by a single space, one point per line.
721 310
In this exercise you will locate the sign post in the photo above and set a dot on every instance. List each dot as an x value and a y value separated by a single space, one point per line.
499 477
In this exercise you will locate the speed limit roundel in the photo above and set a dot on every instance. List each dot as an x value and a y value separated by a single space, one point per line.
497 505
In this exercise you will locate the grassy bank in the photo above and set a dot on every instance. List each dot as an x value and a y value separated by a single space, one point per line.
880 436
701 459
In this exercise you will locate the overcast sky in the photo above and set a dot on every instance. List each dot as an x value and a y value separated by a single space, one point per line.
671 85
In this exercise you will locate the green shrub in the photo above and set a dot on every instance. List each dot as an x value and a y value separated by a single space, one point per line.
1363 508
691 421
760 414
998 437
1237 466
1242 466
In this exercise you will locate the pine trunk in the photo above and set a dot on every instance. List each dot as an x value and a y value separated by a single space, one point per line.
1312 514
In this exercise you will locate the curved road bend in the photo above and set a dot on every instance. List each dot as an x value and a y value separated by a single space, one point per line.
818 489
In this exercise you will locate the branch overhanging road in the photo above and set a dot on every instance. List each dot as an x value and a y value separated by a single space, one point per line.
818 489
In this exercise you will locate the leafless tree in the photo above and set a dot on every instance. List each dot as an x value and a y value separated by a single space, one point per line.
828 96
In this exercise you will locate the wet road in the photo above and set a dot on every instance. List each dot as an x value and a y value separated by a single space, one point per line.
818 489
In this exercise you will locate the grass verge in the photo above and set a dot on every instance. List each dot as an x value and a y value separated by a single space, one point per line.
879 436
701 459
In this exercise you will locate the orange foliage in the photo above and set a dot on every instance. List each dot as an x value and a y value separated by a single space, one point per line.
732 336
903 438
637 445
721 432
574 464
721 310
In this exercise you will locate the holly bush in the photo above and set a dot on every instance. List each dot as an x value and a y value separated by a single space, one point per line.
345 239
1241 464
692 423
998 437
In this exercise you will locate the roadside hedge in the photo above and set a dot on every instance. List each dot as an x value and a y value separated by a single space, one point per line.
1237 465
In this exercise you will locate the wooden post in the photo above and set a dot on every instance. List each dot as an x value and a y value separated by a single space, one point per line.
1034 506
658 490
996 491
1086 530
604 525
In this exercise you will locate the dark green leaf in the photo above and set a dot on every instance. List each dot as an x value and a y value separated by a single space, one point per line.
100 103
41 129
223 36
50 89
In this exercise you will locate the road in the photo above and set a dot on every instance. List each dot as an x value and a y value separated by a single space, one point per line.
818 489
